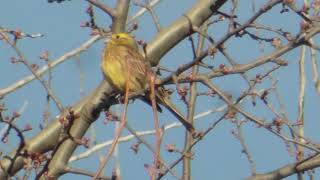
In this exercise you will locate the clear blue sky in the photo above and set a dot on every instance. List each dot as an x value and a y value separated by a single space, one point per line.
219 155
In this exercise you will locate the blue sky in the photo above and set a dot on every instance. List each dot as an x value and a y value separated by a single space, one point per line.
219 155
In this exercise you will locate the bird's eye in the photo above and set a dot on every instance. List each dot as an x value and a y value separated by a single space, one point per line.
117 36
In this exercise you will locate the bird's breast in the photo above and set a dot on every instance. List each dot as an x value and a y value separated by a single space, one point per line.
113 72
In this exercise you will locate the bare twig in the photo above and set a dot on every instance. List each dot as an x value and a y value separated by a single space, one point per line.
25 62
41 71
112 13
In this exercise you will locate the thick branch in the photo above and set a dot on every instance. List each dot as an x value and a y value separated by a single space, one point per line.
91 107
288 170
119 22
89 112
168 37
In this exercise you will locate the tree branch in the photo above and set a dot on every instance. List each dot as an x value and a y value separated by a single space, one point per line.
112 13
92 105
168 37
289 169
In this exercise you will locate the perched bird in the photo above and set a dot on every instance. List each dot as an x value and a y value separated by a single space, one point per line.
123 65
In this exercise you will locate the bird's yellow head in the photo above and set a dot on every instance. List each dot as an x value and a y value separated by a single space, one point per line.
123 39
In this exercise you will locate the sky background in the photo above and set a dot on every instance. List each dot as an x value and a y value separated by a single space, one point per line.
219 155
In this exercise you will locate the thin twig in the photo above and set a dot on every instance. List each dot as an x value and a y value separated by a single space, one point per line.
25 62
112 13
20 83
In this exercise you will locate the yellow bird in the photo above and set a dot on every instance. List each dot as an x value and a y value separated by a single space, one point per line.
123 65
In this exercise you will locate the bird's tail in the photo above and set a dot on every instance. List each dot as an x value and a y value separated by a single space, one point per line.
163 98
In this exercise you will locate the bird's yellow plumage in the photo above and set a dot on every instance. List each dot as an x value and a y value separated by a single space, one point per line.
123 66
123 63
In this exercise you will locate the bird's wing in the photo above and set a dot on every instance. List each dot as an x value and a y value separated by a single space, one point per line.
134 60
